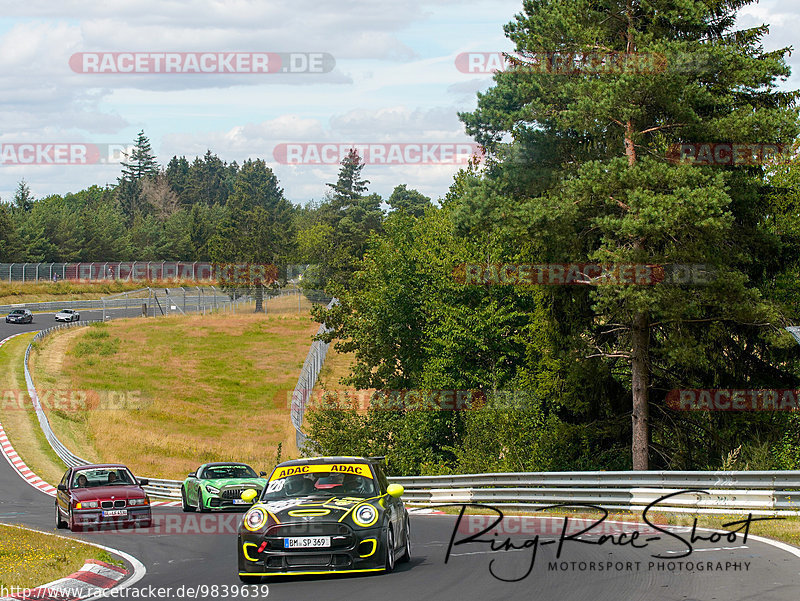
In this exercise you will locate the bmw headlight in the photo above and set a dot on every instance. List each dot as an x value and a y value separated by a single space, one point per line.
87 505
135 502
255 519
212 489
365 515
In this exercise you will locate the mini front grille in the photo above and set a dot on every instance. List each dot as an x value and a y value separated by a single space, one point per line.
308 560
310 528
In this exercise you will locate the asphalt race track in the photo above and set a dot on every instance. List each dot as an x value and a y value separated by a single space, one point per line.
189 550
42 321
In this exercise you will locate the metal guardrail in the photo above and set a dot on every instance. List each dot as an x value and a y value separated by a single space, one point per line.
760 493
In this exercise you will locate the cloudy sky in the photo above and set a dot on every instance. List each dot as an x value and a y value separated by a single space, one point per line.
393 80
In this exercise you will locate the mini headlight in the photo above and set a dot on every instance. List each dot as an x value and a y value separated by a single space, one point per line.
365 515
87 505
255 519
212 489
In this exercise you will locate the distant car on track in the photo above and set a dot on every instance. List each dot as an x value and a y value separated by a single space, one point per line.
19 316
220 486
68 315
324 515
94 496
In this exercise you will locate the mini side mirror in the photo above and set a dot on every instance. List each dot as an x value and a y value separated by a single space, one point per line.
249 495
395 490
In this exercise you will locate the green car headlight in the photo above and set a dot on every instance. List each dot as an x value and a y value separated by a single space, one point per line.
212 489
255 519
365 515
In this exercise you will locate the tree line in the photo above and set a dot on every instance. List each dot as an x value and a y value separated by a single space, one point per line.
577 171
203 210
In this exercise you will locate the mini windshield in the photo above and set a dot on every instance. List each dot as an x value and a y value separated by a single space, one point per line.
106 476
217 472
320 484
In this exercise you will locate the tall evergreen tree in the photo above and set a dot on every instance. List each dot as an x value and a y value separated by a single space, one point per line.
349 186
23 197
585 178
140 165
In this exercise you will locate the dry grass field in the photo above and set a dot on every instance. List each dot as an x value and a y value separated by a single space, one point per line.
176 392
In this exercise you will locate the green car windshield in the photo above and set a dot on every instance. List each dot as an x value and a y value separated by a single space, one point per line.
320 484
222 472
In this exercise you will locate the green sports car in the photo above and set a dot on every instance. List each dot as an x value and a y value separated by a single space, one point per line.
219 486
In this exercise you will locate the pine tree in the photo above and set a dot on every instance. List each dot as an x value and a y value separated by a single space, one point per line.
23 198
349 186
586 178
140 165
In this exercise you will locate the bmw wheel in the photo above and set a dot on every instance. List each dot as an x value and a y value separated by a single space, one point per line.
60 524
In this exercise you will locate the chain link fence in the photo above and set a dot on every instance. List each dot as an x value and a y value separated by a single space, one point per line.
134 271
307 380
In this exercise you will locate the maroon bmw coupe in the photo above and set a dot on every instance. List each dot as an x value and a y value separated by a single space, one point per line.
94 496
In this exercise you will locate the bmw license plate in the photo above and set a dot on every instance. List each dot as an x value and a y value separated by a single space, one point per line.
307 542
115 513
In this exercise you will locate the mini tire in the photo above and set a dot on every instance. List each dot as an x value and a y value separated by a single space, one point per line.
406 556
389 560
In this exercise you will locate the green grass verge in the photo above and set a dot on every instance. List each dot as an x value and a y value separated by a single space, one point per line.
29 559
